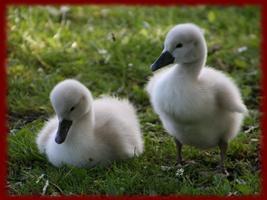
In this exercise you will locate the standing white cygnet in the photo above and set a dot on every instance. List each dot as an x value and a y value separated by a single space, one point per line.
198 105
85 132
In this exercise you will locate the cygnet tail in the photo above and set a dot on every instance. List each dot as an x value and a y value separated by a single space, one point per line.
229 97
239 108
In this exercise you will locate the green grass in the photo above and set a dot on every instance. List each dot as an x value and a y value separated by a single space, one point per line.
110 49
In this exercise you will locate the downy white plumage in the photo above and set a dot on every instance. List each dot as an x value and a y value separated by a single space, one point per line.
198 105
87 132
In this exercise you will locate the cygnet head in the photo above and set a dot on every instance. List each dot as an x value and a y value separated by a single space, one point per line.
71 100
184 44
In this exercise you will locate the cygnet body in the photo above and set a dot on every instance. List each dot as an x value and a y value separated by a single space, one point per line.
87 132
198 105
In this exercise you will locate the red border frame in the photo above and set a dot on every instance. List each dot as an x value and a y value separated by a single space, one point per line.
3 89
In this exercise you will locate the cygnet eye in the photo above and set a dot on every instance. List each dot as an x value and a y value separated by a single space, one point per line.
72 108
179 45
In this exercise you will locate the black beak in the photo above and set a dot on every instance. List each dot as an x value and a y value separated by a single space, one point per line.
62 131
165 58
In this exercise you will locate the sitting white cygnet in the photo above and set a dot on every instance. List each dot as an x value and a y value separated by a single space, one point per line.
87 132
198 105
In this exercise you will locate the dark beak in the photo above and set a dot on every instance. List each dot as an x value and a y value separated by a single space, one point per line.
62 131
165 58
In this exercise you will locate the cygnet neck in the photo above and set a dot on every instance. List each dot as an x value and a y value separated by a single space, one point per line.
87 122
192 69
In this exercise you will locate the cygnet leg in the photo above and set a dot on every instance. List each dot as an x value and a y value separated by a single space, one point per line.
223 148
179 151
